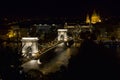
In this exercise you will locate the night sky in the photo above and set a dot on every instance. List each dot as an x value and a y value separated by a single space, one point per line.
57 8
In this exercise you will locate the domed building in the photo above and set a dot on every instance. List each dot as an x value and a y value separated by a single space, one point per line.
95 18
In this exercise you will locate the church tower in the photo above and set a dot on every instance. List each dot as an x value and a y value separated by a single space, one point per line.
95 18
88 19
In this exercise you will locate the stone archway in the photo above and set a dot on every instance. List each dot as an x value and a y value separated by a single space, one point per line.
62 35
30 46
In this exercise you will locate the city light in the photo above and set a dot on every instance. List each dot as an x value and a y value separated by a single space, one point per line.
94 18
11 34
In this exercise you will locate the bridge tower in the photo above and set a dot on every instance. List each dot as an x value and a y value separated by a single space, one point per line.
62 35
29 46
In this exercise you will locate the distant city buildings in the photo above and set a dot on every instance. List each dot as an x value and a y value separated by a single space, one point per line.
45 27
14 29
75 30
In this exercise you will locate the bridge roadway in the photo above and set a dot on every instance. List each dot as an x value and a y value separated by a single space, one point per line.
52 60
46 48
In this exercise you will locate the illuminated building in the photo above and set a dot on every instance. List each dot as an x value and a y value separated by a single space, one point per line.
85 28
11 34
88 19
95 18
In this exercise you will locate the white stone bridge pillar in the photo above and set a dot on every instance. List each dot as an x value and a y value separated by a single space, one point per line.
62 35
30 46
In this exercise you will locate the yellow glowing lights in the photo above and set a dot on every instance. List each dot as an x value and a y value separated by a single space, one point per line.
11 34
94 18
87 19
